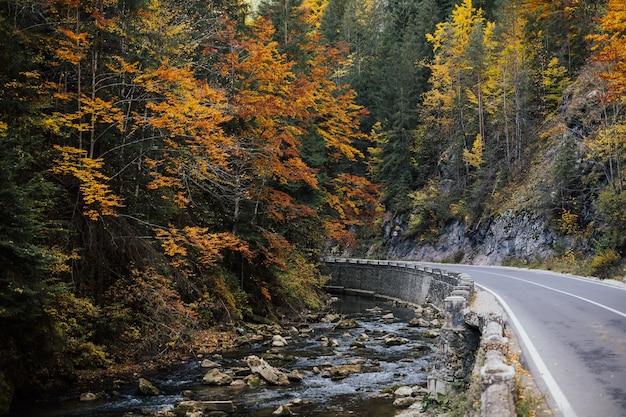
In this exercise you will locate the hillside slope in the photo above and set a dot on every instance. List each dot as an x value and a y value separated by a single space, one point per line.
548 212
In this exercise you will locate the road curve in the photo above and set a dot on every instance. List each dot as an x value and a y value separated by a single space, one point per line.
573 335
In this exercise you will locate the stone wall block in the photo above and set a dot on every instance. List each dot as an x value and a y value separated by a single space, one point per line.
492 338
454 312
496 370
496 401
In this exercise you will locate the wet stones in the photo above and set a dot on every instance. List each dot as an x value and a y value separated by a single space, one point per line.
389 318
393 340
146 387
88 396
287 409
328 342
209 364
347 324
216 377
411 398
343 371
187 407
270 374
331 318
351 347
279 341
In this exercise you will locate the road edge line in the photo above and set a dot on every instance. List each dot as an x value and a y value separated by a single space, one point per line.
557 395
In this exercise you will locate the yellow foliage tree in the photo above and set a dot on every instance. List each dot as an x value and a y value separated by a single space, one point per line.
96 194
474 157
610 47
460 48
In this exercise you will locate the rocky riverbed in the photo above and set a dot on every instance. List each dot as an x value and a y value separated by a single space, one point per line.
364 358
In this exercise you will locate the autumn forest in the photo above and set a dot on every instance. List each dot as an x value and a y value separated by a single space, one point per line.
171 166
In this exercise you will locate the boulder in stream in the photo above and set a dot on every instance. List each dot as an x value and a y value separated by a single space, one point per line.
331 318
405 402
388 317
203 407
393 340
347 324
403 391
146 387
216 377
266 371
209 364
283 410
88 396
279 341
343 371
295 376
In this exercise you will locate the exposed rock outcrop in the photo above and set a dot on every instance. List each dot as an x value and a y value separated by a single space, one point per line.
523 235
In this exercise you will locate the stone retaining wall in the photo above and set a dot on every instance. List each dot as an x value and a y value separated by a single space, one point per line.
406 281
463 331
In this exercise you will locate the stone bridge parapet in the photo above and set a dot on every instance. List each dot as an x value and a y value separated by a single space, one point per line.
464 331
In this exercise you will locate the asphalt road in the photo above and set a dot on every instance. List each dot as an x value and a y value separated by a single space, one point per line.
573 335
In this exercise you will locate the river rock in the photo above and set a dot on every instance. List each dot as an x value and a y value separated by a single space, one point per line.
343 371
356 344
266 371
431 334
146 387
393 340
254 380
296 402
188 407
326 342
421 348
415 410
419 322
331 318
306 331
207 363
435 323
295 376
216 377
283 410
347 324
403 391
279 341
88 396
405 402
388 317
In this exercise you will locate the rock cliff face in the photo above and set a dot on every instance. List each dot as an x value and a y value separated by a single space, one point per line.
511 235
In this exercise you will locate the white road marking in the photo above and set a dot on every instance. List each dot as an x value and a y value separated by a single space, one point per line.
558 396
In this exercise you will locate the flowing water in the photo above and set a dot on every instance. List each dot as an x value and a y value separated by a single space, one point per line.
359 394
